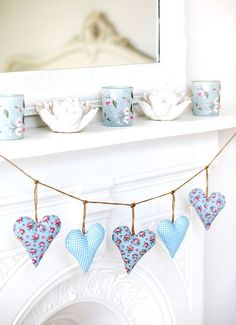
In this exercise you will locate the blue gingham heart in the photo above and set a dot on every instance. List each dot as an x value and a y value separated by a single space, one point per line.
207 208
37 236
172 234
84 246
132 247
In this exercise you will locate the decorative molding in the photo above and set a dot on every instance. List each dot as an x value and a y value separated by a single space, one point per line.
68 320
9 266
128 295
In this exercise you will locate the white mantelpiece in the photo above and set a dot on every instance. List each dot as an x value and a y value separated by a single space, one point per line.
40 141
106 164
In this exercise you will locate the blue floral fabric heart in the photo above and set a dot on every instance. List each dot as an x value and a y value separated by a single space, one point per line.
172 234
207 208
84 246
132 247
37 236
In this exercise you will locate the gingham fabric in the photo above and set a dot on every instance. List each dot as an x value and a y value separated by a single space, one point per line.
37 236
173 234
84 246
207 208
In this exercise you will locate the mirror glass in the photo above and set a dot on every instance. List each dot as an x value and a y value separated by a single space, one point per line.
52 34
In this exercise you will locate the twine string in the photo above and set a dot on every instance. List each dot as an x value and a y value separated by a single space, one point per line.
122 203
84 216
132 205
17 167
222 149
173 207
36 182
207 181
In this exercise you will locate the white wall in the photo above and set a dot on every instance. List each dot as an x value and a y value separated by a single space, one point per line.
211 27
212 55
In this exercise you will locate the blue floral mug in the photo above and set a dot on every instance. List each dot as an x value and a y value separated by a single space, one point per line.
117 106
206 98
12 117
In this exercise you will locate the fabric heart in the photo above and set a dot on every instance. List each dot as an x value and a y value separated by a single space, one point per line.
37 236
206 207
132 247
172 234
84 246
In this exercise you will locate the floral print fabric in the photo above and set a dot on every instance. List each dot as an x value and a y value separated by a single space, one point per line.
132 247
207 208
36 237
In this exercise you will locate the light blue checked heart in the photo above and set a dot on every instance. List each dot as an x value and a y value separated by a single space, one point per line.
84 246
172 234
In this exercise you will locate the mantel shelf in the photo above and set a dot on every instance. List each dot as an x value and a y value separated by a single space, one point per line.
41 141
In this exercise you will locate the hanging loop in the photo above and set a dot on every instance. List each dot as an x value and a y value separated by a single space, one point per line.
84 215
36 182
133 205
173 206
207 181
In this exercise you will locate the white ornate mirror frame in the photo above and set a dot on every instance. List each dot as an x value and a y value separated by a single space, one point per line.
86 82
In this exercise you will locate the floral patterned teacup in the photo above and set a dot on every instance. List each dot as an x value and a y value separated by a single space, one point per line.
117 105
205 98
12 117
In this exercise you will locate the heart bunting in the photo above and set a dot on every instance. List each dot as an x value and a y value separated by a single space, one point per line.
37 236
84 246
173 233
132 247
207 208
